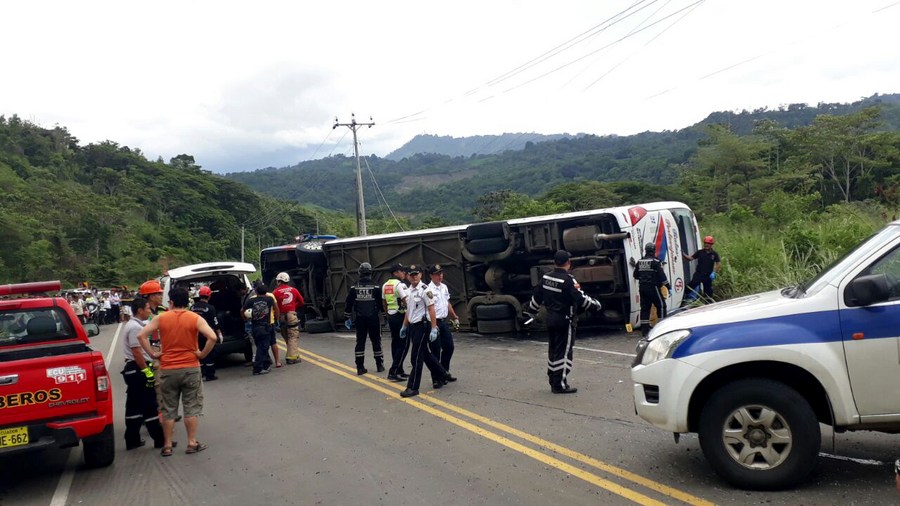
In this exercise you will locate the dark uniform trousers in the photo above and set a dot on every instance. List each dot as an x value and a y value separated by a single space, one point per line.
442 347
650 296
418 334
208 365
368 326
140 407
561 333
263 335
399 347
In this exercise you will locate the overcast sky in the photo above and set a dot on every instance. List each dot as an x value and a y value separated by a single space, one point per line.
254 84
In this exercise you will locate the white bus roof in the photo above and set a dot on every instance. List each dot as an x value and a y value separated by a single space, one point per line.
620 212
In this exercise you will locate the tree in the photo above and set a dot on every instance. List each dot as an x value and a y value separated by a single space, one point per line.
843 149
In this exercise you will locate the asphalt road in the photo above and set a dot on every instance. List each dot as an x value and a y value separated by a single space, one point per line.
315 433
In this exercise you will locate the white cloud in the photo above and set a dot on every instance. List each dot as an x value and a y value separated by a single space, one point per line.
243 86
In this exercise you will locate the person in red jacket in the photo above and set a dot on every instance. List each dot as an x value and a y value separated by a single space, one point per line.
289 300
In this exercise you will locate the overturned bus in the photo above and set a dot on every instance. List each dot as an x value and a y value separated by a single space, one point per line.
490 268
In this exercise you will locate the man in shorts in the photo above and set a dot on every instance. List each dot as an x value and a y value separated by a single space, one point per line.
179 360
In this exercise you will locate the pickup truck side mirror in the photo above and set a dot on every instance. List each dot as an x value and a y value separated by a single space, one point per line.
92 329
867 290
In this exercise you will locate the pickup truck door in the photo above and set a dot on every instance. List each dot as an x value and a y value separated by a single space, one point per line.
871 337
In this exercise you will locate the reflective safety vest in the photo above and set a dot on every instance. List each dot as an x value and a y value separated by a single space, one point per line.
390 294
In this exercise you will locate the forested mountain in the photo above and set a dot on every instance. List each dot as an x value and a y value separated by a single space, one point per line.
423 186
467 146
105 214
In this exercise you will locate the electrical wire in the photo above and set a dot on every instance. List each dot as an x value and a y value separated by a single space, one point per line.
379 192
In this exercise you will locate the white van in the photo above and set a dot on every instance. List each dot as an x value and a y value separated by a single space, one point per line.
755 376
229 282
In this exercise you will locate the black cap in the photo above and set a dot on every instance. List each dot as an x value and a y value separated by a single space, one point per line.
414 269
434 269
398 267
561 257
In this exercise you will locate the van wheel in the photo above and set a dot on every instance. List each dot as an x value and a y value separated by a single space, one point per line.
318 326
494 312
100 451
495 326
759 434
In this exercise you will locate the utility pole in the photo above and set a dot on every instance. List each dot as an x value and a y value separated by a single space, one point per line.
242 243
360 202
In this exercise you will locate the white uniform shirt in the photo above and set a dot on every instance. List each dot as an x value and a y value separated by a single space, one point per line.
441 299
132 329
417 302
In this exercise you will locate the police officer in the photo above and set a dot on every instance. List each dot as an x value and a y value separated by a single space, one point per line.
652 282
442 348
394 294
560 293
208 312
140 398
419 302
365 298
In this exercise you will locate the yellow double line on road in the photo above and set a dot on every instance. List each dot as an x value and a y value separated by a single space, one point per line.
381 385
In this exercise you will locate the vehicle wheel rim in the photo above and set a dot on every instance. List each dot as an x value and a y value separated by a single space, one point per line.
757 437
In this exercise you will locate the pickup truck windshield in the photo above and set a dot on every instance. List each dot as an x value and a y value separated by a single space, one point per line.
839 268
25 326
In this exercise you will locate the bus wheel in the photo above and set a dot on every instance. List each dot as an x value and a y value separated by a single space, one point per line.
318 326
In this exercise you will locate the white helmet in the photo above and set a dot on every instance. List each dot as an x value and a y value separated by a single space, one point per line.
283 277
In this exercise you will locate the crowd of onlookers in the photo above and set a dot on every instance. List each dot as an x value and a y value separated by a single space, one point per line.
102 307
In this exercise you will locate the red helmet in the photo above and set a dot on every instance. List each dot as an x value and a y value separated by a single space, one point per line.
151 287
709 240
205 291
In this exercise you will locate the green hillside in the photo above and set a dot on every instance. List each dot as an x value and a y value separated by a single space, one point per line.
412 185
103 213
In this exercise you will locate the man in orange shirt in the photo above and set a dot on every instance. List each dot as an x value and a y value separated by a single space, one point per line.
179 361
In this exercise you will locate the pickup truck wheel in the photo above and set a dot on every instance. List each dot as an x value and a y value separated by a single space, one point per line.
100 451
759 434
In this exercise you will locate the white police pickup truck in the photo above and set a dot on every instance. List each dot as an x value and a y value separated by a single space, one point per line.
755 376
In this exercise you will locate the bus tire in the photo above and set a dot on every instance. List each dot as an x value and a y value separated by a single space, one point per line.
318 326
494 312
486 230
484 246
496 326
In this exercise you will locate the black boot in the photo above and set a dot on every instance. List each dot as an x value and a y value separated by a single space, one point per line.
379 364
360 366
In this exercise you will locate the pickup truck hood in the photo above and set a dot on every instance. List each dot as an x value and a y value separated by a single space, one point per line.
752 307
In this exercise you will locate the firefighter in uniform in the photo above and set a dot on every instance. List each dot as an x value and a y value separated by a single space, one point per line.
140 398
289 300
419 302
560 293
393 293
208 312
365 298
652 286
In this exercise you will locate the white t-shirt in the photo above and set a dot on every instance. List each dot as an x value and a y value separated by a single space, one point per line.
132 329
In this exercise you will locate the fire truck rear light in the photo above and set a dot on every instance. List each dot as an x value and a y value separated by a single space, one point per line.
102 380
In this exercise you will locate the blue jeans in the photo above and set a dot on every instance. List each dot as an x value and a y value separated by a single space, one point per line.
262 336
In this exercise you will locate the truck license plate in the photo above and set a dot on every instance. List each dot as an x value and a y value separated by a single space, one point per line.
15 436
